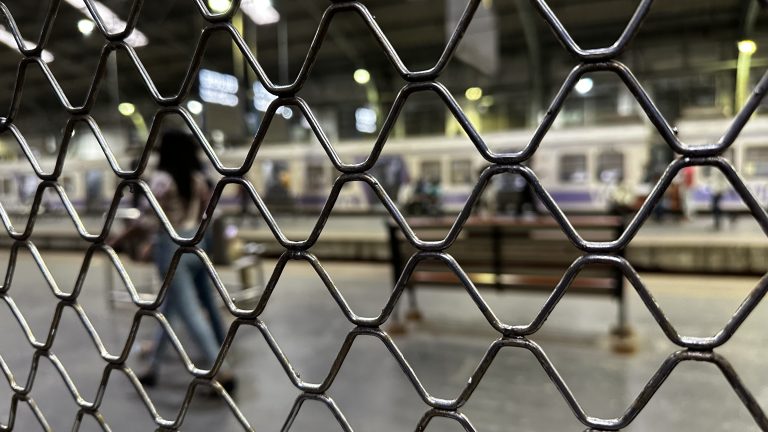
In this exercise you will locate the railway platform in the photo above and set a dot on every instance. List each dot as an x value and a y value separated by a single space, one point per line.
740 247
444 349
671 246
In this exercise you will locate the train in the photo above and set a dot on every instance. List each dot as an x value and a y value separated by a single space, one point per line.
581 168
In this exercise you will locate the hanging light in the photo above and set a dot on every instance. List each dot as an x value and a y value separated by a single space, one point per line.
584 86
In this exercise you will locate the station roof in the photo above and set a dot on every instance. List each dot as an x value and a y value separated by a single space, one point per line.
416 28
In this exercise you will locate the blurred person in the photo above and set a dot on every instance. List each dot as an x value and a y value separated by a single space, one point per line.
686 191
658 211
527 200
418 201
507 192
425 199
278 193
247 208
182 191
434 197
717 188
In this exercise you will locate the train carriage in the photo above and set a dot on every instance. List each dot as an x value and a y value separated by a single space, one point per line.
581 168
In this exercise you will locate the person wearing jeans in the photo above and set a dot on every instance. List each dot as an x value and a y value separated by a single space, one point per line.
183 301
181 190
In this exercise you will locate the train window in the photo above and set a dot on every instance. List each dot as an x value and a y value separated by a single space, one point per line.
315 177
573 168
610 167
756 162
430 170
461 172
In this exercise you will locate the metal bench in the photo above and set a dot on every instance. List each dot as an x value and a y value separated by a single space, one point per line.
507 253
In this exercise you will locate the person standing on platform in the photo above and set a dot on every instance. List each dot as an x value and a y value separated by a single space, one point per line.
686 191
180 187
526 200
718 186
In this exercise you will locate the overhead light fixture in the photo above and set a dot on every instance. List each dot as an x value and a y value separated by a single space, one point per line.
362 76
286 112
261 97
218 81
747 47
112 21
86 26
219 98
260 12
474 93
218 88
126 108
219 6
365 120
195 107
584 86
6 38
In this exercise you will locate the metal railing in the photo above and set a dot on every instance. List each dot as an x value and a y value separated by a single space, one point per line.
510 336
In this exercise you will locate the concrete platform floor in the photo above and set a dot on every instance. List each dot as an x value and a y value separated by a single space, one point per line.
371 389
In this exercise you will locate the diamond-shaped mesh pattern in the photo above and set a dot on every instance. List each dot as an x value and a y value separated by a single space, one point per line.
510 336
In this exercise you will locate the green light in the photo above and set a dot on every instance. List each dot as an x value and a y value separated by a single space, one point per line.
747 47
126 108
474 93
362 76
219 6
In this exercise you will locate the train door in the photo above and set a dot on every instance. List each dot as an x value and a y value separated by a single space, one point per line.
426 194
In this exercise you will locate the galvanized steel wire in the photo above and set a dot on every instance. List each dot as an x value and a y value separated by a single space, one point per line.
511 336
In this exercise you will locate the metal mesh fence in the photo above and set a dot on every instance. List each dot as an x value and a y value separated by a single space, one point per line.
510 336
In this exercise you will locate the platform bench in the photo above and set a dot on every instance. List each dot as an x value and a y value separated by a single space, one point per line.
507 253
